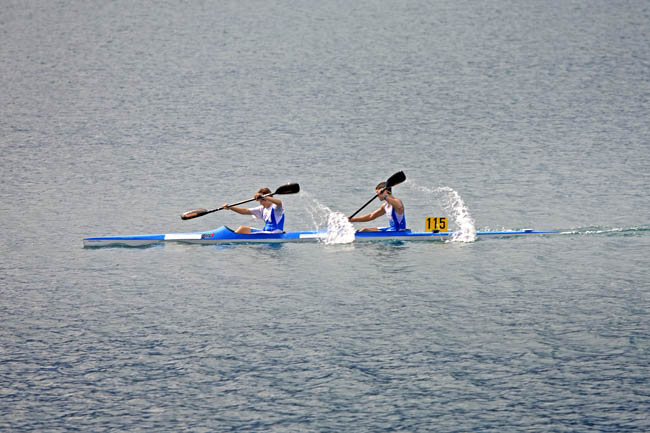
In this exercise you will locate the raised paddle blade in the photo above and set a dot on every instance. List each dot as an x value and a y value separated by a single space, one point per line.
290 188
395 179
193 213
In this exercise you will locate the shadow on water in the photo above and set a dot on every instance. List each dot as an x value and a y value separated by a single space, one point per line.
271 246
123 246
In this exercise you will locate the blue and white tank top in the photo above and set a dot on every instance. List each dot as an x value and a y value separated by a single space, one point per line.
397 221
273 217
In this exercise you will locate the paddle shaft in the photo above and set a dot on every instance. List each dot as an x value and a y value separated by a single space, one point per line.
200 212
290 188
241 202
362 207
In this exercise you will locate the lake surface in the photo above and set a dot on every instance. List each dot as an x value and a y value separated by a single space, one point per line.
116 117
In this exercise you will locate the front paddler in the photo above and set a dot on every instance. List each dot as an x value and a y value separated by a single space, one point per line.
393 208
270 211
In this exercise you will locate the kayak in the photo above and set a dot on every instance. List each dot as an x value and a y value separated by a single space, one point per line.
225 235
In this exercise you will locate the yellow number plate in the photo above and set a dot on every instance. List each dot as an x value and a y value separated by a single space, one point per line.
435 224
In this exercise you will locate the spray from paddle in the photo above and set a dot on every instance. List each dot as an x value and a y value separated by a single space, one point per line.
451 203
338 229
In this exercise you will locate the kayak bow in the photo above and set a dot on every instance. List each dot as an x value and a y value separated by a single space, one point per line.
225 235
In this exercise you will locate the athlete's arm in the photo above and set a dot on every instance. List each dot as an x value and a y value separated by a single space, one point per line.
239 210
396 203
369 216
275 201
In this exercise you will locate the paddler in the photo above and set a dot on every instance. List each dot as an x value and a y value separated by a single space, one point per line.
393 208
270 211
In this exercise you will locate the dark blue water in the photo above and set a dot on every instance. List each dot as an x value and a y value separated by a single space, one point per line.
117 117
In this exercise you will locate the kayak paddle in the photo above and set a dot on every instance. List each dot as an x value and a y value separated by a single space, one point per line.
290 188
395 179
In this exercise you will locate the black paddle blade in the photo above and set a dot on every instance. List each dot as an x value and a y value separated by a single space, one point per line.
193 214
290 188
395 179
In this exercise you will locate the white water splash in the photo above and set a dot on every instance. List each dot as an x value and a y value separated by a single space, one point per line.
452 203
335 227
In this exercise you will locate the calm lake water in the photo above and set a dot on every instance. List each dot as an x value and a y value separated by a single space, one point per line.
116 117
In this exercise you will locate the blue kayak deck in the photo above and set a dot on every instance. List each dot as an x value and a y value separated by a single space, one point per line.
224 234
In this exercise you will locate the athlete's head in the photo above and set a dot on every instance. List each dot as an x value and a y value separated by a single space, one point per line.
380 187
259 196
